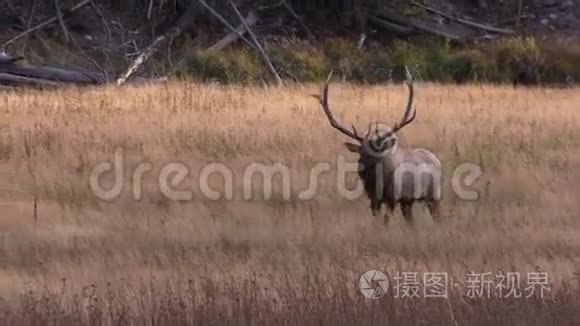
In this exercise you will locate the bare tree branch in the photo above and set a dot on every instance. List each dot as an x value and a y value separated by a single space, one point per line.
520 9
46 23
464 21
291 10
226 23
29 22
147 53
61 20
184 22
150 9
394 20
251 20
361 41
264 55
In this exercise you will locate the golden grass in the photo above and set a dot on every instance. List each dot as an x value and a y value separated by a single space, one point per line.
80 260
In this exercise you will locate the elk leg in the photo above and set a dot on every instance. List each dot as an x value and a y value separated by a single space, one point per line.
435 210
389 212
375 207
407 209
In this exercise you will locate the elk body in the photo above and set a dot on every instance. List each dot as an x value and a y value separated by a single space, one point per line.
393 175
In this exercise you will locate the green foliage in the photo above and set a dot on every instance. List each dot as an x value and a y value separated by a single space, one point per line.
518 55
561 62
472 65
345 57
228 66
432 59
405 53
300 61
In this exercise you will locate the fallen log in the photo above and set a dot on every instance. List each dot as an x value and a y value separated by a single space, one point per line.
15 80
393 27
464 21
6 58
52 74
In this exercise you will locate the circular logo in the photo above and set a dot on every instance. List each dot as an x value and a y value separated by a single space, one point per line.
380 140
373 284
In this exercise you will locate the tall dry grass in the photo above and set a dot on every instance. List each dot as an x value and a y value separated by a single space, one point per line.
67 257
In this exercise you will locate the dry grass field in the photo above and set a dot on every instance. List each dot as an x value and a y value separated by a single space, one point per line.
68 257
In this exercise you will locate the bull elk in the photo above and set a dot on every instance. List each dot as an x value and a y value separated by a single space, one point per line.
393 175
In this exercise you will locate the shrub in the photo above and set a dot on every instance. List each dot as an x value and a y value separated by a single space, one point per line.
561 62
301 61
228 66
506 60
345 56
519 58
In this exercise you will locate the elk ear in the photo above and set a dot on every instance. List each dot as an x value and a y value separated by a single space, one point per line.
352 147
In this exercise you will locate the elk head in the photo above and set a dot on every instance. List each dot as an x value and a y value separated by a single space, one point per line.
379 141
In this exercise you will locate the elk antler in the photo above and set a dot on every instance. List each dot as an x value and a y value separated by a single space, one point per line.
410 112
324 102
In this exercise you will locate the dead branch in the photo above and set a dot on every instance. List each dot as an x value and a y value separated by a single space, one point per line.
61 20
275 5
251 20
512 20
226 23
29 21
395 19
264 55
361 41
463 21
89 59
47 22
147 53
434 31
520 9
183 23
293 13
150 9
